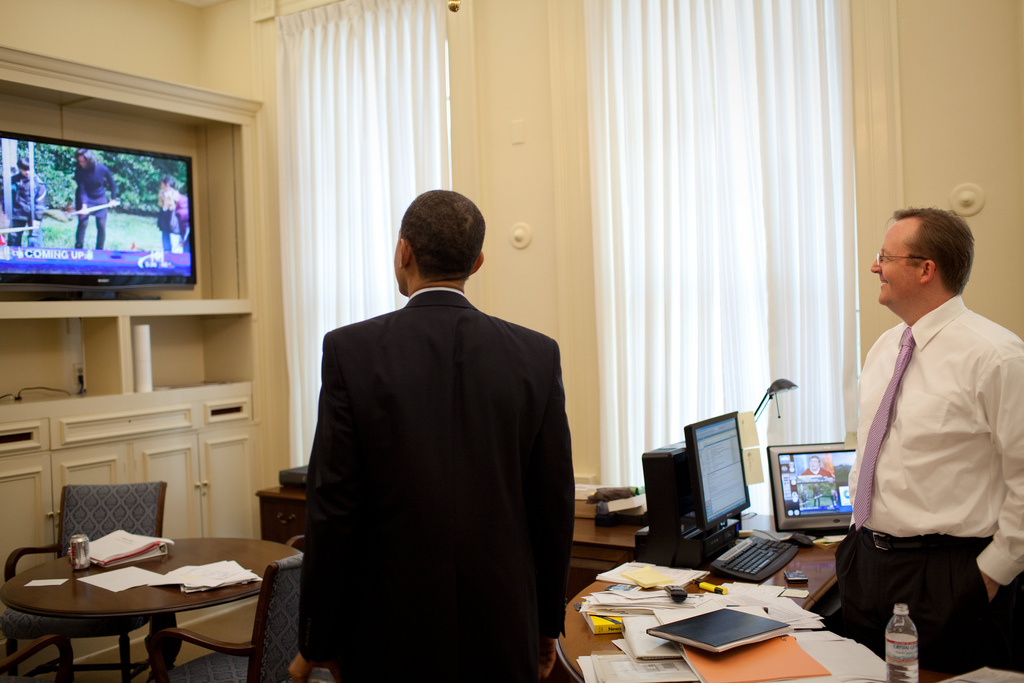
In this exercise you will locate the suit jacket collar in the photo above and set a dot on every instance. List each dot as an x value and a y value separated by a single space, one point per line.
439 298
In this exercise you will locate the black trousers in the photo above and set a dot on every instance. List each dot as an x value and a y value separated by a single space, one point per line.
959 630
101 230
26 238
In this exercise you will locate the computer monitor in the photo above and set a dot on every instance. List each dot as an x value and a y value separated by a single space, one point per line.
811 487
716 471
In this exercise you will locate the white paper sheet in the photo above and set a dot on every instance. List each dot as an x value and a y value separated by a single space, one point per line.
121 579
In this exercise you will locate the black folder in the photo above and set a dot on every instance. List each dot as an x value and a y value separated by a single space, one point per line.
720 630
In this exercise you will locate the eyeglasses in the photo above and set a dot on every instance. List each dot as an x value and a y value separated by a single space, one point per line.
881 258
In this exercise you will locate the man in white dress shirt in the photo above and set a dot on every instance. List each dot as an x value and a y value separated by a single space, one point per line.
944 532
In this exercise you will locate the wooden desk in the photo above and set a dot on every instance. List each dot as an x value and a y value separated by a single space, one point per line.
579 640
282 512
597 549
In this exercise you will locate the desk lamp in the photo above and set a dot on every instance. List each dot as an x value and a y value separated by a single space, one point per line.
777 386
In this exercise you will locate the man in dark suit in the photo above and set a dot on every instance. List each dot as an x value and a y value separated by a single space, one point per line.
440 489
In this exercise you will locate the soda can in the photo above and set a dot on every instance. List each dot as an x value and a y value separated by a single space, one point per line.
78 551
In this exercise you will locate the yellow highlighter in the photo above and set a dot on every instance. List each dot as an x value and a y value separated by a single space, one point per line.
712 588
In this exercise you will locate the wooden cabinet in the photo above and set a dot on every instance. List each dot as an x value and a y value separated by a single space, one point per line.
30 490
26 504
208 477
282 512
196 429
226 484
199 440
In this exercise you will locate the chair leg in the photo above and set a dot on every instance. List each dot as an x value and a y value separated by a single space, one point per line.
124 648
12 647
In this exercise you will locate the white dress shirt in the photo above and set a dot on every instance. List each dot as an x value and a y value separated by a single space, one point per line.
953 461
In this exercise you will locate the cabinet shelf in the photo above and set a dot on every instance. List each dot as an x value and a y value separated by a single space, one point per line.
41 310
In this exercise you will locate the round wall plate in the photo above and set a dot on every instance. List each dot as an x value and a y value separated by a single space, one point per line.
521 235
967 199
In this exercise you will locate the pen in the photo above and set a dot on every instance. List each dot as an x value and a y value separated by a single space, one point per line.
712 588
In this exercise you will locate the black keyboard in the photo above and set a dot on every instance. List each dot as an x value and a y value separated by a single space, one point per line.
753 559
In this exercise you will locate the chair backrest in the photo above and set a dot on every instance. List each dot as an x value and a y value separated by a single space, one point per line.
97 510
275 634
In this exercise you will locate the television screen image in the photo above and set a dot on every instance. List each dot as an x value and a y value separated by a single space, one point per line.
811 486
79 216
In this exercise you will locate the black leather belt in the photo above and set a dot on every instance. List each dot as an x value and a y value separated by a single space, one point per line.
887 542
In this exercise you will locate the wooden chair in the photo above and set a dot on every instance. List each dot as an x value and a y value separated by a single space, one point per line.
65 659
95 510
264 659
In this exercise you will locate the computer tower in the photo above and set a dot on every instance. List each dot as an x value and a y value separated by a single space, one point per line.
657 542
672 538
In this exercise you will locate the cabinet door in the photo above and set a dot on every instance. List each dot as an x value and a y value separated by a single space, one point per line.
229 505
26 506
175 460
92 465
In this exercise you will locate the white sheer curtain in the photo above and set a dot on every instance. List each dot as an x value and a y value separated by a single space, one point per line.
362 130
722 181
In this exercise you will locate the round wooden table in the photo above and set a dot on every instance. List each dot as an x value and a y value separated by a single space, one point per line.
78 599
75 598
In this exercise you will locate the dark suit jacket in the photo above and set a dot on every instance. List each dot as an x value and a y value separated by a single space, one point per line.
439 497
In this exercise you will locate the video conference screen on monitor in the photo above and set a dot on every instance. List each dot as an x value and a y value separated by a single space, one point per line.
811 486
716 470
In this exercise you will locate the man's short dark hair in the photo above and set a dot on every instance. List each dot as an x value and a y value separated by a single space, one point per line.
943 237
446 233
24 164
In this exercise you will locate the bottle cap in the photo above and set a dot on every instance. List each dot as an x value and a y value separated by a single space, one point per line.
900 608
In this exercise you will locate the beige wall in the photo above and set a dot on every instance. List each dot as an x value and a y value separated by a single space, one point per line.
154 38
961 100
956 73
955 118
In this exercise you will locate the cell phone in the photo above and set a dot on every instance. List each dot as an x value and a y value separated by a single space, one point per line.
795 576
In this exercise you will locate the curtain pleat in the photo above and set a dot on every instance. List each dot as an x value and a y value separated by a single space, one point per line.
722 185
362 130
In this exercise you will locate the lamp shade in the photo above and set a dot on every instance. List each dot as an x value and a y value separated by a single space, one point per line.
780 385
774 388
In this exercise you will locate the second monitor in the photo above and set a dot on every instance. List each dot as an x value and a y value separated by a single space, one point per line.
716 471
695 494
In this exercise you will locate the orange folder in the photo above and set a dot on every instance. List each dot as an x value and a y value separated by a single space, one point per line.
768 660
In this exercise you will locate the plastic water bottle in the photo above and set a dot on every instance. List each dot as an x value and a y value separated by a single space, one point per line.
901 647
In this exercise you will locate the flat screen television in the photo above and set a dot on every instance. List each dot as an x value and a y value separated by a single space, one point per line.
716 471
811 487
93 218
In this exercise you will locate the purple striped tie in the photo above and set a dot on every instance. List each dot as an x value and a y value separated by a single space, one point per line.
879 428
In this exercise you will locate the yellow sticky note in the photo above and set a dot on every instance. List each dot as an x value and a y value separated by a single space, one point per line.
647 577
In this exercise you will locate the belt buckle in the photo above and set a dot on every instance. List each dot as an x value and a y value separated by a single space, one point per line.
881 541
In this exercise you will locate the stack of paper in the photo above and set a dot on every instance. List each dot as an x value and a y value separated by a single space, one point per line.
797 655
207 576
771 600
611 667
679 577
119 547
638 602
